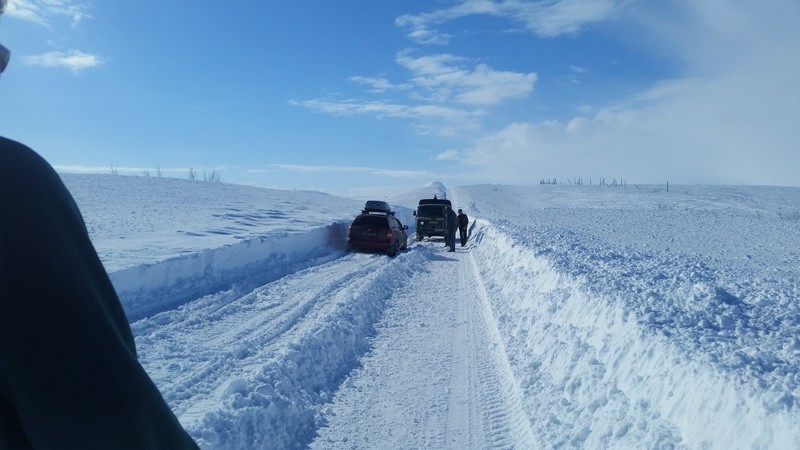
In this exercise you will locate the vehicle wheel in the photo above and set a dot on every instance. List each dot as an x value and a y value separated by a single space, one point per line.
393 250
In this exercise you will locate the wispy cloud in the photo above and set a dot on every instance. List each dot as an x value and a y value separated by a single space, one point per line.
547 18
44 12
449 78
74 60
381 109
112 169
353 169
447 155
446 88
421 26
578 69
378 84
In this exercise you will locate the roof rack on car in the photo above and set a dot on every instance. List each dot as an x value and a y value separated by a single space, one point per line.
435 201
377 213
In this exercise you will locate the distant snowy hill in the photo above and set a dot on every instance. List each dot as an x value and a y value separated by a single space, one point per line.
576 316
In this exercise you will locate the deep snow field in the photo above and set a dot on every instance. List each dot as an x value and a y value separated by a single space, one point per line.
595 317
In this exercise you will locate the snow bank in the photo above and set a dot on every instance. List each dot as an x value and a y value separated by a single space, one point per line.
614 347
151 288
136 221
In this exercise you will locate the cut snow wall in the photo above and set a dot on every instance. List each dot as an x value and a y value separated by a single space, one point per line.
151 288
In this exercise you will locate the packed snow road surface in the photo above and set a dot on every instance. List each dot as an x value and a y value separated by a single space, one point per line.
435 377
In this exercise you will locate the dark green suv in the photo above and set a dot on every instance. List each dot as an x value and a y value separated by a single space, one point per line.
430 217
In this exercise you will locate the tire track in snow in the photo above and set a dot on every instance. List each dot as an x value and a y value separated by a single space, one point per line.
434 378
398 399
231 335
464 379
507 425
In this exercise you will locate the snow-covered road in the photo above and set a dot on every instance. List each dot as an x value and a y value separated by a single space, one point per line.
435 377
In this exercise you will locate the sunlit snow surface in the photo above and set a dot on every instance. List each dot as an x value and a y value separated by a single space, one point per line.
624 317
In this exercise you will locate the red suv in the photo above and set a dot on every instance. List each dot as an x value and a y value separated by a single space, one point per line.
377 232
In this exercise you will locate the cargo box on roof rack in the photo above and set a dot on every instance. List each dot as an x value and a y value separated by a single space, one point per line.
377 206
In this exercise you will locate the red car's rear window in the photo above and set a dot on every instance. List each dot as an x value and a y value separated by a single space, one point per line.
370 221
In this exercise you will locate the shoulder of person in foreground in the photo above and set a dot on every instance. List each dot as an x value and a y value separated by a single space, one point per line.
69 376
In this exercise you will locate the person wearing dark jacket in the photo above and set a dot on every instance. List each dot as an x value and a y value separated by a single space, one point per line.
69 373
450 225
463 222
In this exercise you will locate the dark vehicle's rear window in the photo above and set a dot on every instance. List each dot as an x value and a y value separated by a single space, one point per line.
430 211
370 221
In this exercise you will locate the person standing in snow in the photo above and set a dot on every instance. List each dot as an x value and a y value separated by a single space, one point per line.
69 373
463 221
450 225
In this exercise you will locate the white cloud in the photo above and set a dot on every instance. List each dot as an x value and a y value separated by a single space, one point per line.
578 69
378 84
447 155
544 18
74 60
551 19
396 173
393 173
44 12
111 169
381 109
449 78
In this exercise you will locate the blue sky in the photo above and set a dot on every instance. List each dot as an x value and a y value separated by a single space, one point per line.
369 97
